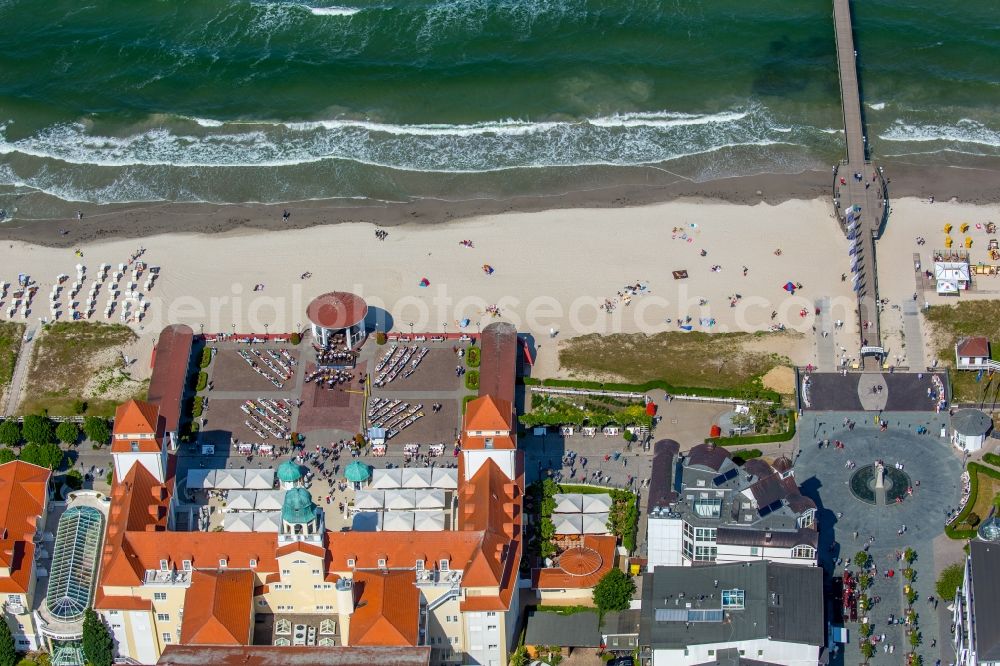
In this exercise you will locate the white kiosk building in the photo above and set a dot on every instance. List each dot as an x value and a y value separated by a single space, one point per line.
969 428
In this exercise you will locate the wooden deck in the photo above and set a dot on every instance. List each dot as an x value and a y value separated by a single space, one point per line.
869 194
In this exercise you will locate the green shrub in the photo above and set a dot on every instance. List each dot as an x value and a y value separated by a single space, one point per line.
97 430
466 400
951 578
742 455
295 338
472 380
198 407
614 592
79 406
7 455
202 382
784 436
38 429
74 479
992 459
473 356
381 338
951 529
206 358
68 432
658 385
10 433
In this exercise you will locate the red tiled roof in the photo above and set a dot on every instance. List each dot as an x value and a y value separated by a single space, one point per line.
337 309
387 609
137 418
498 361
301 547
170 368
579 568
976 346
219 608
488 413
109 602
23 490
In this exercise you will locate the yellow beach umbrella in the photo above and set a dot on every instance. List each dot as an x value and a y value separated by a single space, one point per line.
947 228
947 241
968 241
964 227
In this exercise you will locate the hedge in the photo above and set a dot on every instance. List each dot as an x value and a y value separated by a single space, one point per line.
198 407
992 459
758 439
472 380
975 469
658 385
472 357
202 381
466 400
206 357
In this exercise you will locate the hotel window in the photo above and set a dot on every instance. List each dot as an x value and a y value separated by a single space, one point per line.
222 563
286 572
420 565
253 564
705 553
135 447
163 617
186 565
754 550
443 564
381 563
315 572
493 646
491 627
166 638
804 552
733 599
164 565
350 563
491 614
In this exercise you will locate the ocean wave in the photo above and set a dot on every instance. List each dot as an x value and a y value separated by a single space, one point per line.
878 106
332 11
964 131
625 140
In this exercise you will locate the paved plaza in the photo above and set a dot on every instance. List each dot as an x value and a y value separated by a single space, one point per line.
871 391
825 475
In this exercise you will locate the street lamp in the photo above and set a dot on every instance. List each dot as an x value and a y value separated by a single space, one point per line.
445 325
411 328
234 329
265 329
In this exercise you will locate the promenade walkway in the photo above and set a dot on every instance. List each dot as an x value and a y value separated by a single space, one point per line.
858 186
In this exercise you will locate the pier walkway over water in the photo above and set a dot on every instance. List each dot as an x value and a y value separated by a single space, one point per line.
859 190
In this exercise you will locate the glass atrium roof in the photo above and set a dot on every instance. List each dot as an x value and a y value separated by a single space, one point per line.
74 562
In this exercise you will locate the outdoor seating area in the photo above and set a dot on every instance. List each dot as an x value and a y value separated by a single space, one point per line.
398 359
230 479
276 366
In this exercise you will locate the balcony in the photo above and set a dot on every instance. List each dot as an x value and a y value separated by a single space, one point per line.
431 577
172 577
14 608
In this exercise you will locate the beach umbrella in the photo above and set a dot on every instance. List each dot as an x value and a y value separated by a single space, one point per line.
789 287
463 323
424 282
357 472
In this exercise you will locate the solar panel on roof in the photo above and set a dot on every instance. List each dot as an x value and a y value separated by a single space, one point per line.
770 508
722 478
670 615
704 615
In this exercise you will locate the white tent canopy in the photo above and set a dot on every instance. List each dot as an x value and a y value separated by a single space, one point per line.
237 522
383 479
444 478
951 276
594 523
397 521
429 521
230 479
367 500
429 499
568 502
269 500
568 523
260 479
241 500
416 477
266 522
596 503
200 478
398 500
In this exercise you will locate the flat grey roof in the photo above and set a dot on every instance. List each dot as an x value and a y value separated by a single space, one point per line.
986 598
572 630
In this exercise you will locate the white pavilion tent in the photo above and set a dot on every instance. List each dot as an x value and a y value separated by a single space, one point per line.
399 500
445 478
397 521
266 522
241 500
269 500
596 503
429 499
568 502
259 479
237 522
230 479
429 521
417 477
594 523
368 500
568 523
384 479
200 478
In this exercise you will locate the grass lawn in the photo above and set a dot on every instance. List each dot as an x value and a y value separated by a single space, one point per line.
951 322
10 341
696 359
989 490
74 361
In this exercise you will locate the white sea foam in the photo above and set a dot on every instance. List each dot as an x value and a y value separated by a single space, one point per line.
964 131
332 11
208 122
878 106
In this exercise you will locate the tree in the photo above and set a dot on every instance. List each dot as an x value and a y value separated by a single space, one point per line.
68 432
44 455
8 653
867 650
950 580
519 657
97 430
10 433
38 429
6 455
614 592
74 479
861 559
98 646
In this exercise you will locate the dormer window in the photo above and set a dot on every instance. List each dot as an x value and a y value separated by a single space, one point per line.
443 564
488 442
350 562
135 447
164 565
186 565
222 563
420 565
381 563
253 564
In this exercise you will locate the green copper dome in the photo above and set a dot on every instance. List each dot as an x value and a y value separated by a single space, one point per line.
289 472
298 506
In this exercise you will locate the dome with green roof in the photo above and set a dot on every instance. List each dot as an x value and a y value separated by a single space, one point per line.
298 507
289 472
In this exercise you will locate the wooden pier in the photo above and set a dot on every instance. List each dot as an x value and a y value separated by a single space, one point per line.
859 191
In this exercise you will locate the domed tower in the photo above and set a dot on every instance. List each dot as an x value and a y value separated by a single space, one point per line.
290 474
301 519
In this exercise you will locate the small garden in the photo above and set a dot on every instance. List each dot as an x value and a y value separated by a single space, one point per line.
473 357
556 411
984 496
623 519
472 380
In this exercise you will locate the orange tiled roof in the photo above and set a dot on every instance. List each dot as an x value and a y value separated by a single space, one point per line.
580 568
489 413
113 602
219 608
301 547
387 610
139 503
205 549
23 490
136 418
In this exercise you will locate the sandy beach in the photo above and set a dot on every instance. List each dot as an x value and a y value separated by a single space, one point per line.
572 271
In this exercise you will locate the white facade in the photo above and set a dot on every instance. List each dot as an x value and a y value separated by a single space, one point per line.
484 638
798 555
970 443
663 542
774 652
